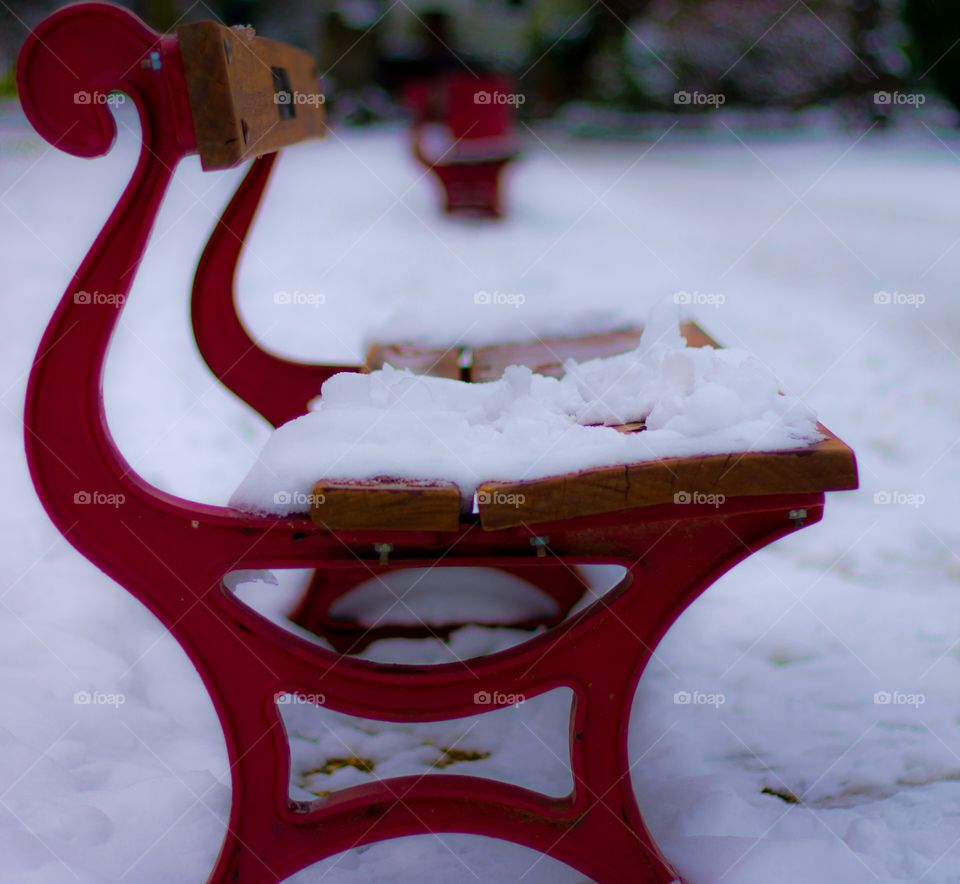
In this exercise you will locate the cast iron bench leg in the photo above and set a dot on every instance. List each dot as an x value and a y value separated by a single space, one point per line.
600 654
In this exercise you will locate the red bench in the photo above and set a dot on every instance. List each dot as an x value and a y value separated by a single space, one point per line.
477 113
211 90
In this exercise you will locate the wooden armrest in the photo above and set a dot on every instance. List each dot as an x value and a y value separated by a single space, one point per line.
248 95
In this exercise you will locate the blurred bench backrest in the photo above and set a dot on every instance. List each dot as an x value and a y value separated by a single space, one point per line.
471 107
479 107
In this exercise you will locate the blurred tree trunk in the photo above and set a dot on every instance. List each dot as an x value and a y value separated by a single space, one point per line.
936 31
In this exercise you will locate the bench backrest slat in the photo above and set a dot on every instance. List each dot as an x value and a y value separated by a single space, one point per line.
248 95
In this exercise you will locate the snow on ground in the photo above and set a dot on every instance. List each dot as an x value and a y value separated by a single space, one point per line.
835 652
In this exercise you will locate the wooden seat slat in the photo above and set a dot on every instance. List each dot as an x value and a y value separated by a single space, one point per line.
828 465
547 355
385 504
544 355
389 504
433 361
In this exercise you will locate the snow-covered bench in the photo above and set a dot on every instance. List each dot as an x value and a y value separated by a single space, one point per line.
213 91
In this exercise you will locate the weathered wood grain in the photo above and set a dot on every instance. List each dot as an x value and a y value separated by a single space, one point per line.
828 465
248 95
386 504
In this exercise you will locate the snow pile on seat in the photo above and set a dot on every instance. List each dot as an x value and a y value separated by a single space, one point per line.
695 401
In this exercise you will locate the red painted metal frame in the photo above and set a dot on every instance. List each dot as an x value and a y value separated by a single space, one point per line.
172 554
560 581
278 388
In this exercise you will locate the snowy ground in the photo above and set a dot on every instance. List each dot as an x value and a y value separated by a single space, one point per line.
803 642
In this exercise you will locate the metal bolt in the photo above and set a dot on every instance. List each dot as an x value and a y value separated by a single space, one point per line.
384 550
540 543
797 516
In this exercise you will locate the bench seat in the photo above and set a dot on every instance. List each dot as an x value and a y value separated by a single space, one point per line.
394 504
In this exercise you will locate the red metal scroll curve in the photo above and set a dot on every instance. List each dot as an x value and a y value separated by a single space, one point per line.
278 388
67 66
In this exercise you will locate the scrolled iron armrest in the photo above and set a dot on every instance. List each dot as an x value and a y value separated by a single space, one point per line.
68 67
